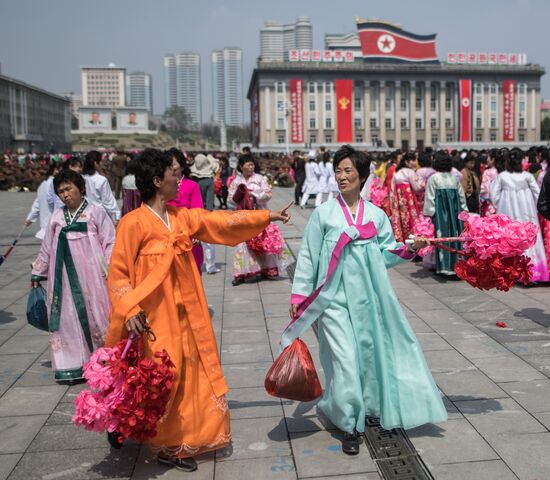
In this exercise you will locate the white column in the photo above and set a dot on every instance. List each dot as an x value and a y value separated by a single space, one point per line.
397 114
427 113
412 113
442 128
366 110
382 112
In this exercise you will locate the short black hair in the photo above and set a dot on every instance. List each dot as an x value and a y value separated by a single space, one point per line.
443 162
180 158
150 163
91 158
359 160
71 162
248 157
70 176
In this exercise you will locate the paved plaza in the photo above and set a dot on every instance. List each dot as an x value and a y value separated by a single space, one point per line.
495 382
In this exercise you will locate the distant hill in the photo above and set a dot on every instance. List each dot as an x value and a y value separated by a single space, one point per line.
135 141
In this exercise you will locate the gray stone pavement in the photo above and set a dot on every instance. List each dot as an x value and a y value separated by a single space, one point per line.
495 382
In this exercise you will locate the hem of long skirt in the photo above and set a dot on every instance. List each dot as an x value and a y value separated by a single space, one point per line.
187 451
73 374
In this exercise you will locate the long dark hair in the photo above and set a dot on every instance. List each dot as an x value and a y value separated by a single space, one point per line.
180 158
92 158
404 159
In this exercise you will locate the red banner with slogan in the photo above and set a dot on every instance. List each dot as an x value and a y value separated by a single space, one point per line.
465 109
509 94
344 109
296 110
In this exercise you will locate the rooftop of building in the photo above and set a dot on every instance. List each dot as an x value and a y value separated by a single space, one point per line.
401 68
32 87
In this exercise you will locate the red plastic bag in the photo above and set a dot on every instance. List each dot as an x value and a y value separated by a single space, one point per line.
293 375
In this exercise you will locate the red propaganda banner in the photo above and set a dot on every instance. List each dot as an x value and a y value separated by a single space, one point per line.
383 41
465 122
344 109
509 95
296 110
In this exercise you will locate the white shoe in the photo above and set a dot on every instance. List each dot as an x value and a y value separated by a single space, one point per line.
212 272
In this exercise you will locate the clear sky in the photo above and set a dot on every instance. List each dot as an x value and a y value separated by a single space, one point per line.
44 42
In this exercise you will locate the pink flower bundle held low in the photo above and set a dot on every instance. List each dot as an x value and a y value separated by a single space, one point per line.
128 393
424 228
269 241
378 193
493 250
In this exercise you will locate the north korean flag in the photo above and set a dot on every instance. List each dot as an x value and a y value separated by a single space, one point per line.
383 42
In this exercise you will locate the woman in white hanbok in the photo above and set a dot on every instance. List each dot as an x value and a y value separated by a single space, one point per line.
98 190
311 185
323 181
515 193
332 184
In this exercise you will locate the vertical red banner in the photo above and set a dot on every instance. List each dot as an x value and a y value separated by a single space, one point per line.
509 104
296 110
465 109
344 109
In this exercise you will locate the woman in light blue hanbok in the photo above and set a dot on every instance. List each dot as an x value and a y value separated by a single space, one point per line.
372 360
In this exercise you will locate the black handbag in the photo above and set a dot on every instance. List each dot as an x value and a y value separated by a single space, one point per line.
37 314
543 203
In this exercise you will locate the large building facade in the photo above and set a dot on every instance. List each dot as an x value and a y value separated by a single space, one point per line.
182 73
394 93
103 86
32 119
139 90
227 86
277 39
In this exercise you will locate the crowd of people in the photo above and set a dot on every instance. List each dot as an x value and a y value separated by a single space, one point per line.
115 271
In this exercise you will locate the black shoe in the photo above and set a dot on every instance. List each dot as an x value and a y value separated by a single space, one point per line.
181 464
237 281
115 439
350 443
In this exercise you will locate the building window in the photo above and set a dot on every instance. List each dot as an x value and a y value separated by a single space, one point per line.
403 123
418 103
479 106
493 106
328 87
433 123
312 139
435 139
311 87
328 106
418 123
493 122
433 99
328 122
328 138
358 138
403 104
521 137
312 123
493 137
280 139
521 122
373 123
357 123
493 89
280 123
479 88
449 137
357 104
478 122
280 87
448 123
312 105
387 123
479 137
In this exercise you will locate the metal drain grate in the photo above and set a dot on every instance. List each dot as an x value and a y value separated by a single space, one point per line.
393 453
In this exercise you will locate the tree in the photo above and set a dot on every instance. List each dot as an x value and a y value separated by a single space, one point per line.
177 121
545 129
239 134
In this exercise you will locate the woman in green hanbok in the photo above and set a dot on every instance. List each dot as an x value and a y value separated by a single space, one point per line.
372 361
443 201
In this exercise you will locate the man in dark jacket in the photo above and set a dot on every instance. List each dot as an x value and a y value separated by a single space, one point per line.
118 170
299 167
543 204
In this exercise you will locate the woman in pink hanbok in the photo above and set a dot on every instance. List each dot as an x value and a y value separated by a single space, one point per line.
246 263
425 171
73 258
486 206
405 210
189 196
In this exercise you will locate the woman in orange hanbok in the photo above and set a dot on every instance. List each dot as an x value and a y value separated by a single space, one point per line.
154 276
